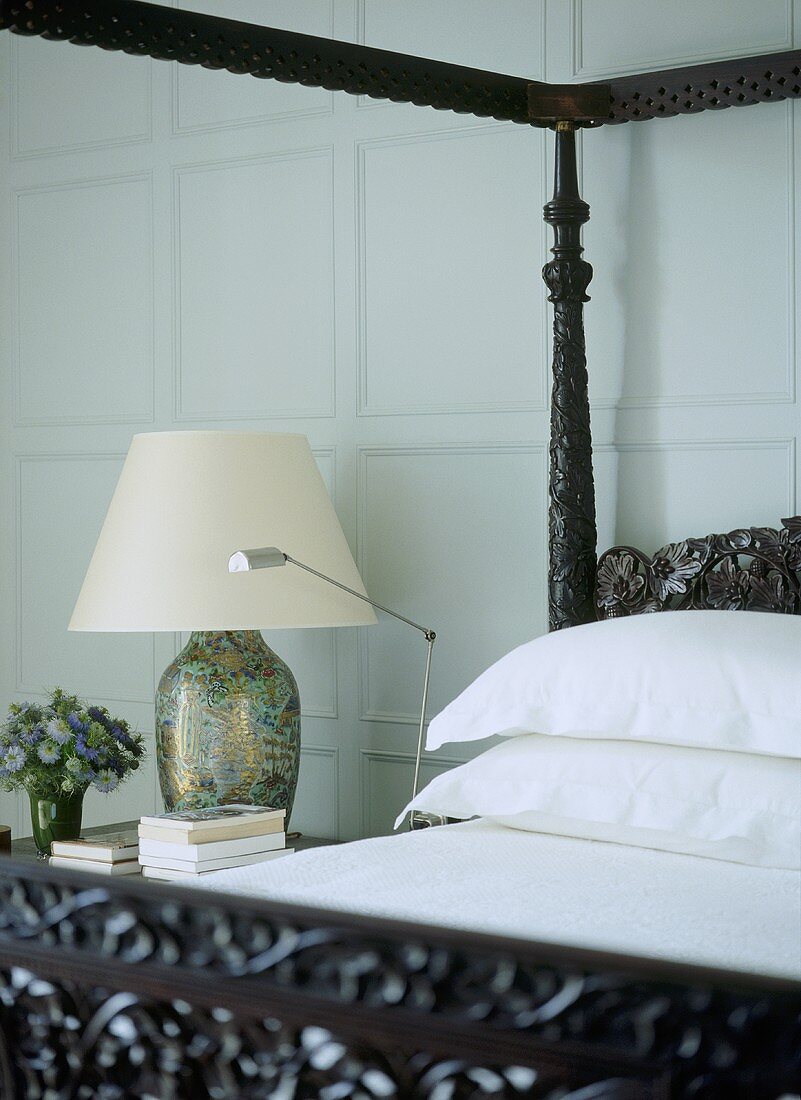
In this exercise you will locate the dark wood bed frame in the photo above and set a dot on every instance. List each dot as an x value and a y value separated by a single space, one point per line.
113 989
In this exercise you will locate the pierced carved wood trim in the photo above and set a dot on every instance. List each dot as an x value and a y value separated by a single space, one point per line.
711 86
172 34
120 989
750 569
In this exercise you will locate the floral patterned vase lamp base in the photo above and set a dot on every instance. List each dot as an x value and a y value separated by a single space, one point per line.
227 707
56 751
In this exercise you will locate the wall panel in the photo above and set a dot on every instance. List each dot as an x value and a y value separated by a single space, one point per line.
254 288
453 534
84 302
612 37
60 504
60 78
456 324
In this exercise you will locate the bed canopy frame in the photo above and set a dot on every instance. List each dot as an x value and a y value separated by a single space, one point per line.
116 990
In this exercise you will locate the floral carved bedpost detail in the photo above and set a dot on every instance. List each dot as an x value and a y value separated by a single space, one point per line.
571 516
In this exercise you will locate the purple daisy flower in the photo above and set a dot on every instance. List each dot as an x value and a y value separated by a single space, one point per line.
105 780
99 715
32 736
15 758
49 752
75 723
84 750
57 732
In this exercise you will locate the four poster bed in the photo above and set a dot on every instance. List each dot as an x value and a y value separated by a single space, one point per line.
116 989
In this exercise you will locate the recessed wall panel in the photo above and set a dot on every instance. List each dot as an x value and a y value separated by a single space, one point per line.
616 36
653 493
117 111
454 538
254 288
451 309
211 99
61 501
84 302
386 781
506 36
316 810
693 295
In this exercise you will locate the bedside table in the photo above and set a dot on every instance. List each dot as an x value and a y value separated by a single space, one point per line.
25 849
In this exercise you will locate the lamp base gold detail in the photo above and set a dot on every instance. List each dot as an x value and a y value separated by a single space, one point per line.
228 724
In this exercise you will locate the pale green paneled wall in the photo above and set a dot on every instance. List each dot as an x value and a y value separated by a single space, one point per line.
190 249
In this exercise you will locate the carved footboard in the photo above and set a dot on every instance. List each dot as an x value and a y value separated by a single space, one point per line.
750 569
130 989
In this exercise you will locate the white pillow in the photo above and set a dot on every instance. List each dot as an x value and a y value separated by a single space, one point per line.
707 678
724 805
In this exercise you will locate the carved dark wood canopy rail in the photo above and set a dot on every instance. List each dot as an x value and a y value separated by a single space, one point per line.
171 34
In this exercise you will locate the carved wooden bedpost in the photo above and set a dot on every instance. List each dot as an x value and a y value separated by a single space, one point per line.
571 516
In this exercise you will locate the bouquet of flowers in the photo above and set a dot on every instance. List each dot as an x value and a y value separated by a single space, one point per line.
59 748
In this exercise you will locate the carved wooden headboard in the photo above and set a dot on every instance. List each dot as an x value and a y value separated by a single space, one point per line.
750 569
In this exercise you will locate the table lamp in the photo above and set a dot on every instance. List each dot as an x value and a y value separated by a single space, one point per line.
227 707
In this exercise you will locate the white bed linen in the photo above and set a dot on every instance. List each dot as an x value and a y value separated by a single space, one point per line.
482 876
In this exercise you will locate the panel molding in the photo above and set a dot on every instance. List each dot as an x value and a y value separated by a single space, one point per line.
364 453
263 119
330 753
19 460
364 407
766 443
19 154
79 183
323 152
369 757
661 61
320 711
787 396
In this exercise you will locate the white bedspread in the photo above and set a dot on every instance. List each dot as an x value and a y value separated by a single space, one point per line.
488 878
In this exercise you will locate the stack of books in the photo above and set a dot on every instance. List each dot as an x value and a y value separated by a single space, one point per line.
105 853
189 843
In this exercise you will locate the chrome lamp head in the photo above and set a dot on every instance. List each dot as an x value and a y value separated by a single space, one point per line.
266 557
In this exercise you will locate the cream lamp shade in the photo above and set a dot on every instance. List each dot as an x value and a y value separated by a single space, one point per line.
184 503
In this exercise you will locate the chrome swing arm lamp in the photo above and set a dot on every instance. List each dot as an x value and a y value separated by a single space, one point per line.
268 557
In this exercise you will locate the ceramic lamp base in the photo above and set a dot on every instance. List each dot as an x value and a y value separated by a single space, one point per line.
227 724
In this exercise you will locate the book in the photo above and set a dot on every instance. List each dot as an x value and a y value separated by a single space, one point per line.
212 817
215 849
204 836
102 847
198 867
126 867
170 874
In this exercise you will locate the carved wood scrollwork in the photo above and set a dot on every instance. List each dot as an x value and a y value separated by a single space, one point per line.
750 569
119 990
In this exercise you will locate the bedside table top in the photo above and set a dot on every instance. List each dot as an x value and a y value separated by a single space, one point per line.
25 849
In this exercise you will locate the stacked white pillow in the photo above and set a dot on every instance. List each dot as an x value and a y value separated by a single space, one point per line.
677 730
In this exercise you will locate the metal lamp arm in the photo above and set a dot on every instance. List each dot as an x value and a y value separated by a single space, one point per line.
430 634
268 557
